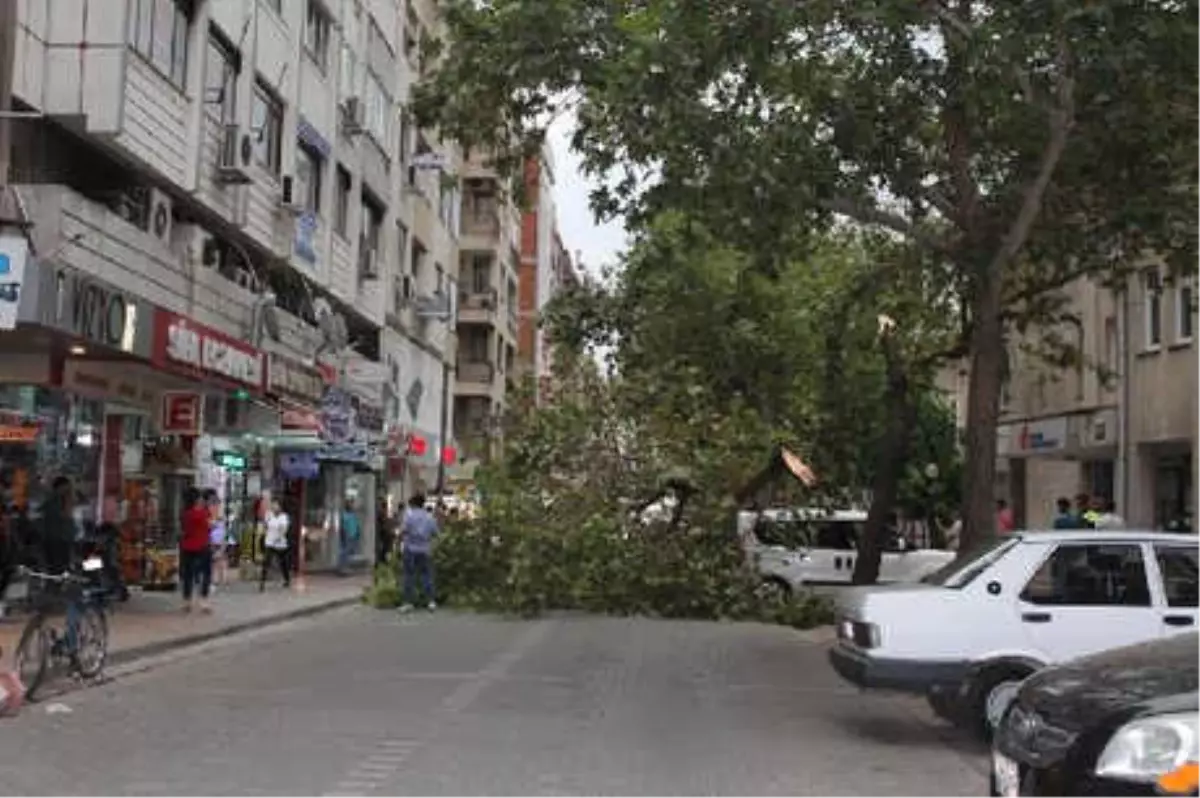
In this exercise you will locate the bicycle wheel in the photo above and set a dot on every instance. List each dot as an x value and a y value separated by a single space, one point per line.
32 656
91 642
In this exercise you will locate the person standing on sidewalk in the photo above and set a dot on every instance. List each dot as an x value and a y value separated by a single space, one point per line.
416 545
351 532
384 533
195 558
275 546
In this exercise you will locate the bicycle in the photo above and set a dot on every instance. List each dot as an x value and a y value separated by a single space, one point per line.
83 643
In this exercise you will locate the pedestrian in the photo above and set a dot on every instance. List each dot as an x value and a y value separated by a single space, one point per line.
217 541
954 535
384 533
1084 513
1108 518
416 545
57 545
195 558
1065 519
275 546
351 532
1005 523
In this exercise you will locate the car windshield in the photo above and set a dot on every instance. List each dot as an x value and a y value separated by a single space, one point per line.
962 570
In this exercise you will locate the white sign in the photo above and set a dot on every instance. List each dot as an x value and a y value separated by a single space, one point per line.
429 160
14 251
366 372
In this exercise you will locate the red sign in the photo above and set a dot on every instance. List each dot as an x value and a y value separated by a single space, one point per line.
180 413
297 420
417 446
184 345
449 455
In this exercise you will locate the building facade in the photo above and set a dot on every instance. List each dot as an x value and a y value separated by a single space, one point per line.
242 261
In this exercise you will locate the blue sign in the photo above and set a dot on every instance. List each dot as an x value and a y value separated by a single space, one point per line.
345 452
5 264
299 465
306 231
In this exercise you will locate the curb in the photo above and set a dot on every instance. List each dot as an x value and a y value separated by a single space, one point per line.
129 655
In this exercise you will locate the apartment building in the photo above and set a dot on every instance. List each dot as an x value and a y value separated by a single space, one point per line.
546 268
488 308
1120 423
227 201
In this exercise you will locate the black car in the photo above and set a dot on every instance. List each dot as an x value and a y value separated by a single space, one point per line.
1122 722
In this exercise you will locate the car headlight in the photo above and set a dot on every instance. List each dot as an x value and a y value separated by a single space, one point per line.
860 633
1156 749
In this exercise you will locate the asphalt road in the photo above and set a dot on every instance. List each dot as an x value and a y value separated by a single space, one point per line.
363 701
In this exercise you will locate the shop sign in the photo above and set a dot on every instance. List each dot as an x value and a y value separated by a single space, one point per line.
306 231
369 416
19 433
338 419
299 465
231 461
366 372
1033 437
105 381
14 251
182 342
297 420
290 377
359 453
94 311
180 413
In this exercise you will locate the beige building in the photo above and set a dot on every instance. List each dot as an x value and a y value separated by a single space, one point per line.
1119 423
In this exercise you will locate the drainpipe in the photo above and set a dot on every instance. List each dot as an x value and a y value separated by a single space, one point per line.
1122 475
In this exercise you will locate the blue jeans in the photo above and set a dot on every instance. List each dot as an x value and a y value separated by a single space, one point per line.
418 564
74 614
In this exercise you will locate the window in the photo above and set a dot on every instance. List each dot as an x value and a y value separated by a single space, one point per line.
405 139
158 30
309 166
402 247
481 272
419 254
220 79
1185 298
1178 565
341 208
372 223
377 107
439 286
1091 576
316 34
1153 310
266 122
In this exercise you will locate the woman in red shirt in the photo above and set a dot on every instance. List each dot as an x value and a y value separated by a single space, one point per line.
195 555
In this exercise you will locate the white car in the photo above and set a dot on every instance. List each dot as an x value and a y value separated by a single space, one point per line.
818 547
969 634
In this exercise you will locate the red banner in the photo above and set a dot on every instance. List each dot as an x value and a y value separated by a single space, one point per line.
186 346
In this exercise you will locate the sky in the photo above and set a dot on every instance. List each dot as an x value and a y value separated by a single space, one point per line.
598 244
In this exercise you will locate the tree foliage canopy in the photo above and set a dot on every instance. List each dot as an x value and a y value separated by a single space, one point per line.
1011 147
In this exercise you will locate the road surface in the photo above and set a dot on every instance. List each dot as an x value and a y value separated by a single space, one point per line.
369 702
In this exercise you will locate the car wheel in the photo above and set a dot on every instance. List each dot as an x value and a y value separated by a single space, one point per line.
994 691
942 704
774 591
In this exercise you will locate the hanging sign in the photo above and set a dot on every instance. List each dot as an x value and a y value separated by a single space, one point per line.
14 251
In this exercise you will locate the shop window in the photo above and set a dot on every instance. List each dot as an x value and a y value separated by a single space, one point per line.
1091 576
221 78
1185 302
1178 566
341 210
266 122
158 31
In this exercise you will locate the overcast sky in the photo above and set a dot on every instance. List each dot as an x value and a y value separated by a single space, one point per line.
598 244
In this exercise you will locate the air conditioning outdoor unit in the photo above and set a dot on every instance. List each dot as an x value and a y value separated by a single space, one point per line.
289 200
160 216
353 116
234 157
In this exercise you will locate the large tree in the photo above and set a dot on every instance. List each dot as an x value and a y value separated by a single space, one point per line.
1014 146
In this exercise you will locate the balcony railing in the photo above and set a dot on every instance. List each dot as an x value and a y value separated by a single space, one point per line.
476 371
481 223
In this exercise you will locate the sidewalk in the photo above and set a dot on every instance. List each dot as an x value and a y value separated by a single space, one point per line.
151 623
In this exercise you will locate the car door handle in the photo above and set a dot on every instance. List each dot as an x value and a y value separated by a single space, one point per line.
1035 617
1178 620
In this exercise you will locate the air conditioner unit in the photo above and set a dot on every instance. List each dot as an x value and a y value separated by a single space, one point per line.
160 216
197 245
234 157
368 263
289 200
353 116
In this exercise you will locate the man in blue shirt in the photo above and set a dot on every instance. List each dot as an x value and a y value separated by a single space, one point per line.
1065 519
416 541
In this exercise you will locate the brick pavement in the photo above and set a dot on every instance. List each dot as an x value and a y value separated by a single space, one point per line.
152 622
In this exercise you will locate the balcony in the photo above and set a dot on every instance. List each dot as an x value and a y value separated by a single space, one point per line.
475 378
478 307
480 230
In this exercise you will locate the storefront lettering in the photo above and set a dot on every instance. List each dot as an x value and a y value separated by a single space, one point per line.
293 378
192 347
101 315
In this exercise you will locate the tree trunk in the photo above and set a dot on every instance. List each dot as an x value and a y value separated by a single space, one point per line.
983 413
885 484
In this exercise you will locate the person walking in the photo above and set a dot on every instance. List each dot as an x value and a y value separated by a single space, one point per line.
1005 521
351 532
1108 518
217 541
1065 519
195 558
416 545
275 546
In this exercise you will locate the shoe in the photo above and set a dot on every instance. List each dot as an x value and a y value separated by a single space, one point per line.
431 606
406 608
